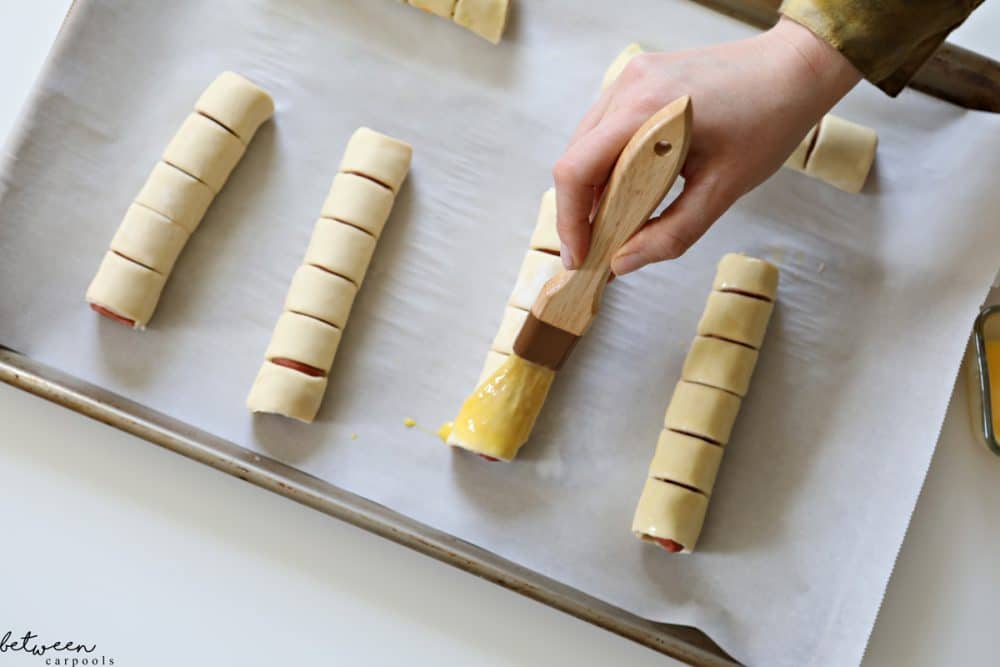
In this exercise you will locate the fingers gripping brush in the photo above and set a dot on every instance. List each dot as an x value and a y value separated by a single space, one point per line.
497 419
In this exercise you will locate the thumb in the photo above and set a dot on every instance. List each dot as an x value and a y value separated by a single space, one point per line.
670 234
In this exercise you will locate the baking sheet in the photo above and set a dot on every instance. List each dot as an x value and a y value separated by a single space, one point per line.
878 292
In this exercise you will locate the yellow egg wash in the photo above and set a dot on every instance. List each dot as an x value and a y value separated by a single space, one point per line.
445 431
993 364
497 419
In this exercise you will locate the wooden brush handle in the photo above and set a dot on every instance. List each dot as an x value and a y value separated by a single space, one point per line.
645 171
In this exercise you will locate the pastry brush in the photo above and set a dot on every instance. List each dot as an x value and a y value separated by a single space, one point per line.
497 419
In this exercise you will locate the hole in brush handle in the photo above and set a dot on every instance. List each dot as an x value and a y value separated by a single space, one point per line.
662 148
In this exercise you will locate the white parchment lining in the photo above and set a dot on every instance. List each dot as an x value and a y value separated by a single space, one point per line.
832 445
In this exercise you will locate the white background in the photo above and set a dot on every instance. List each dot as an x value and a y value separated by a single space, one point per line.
158 560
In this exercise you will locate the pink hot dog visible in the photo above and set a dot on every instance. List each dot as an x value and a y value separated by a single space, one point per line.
669 545
101 310
311 371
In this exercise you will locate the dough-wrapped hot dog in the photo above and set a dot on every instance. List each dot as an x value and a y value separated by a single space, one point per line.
308 342
204 149
319 300
378 157
341 249
172 202
720 363
735 317
124 290
443 8
237 104
510 326
536 270
843 153
286 391
486 18
321 294
618 65
494 360
546 236
150 239
359 201
686 460
748 276
180 197
797 160
702 411
541 263
669 515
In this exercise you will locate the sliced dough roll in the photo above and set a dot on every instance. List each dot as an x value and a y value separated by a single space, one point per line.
237 104
149 238
536 270
305 340
686 460
619 64
746 275
702 411
175 197
510 327
705 412
321 294
287 392
179 196
669 512
734 317
797 160
546 236
204 149
126 289
486 18
538 266
322 291
843 153
443 8
341 249
359 201
720 363
377 156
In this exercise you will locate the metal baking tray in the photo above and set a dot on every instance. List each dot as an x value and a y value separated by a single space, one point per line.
681 642
678 641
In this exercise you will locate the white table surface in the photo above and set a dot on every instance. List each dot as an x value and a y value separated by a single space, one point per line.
158 560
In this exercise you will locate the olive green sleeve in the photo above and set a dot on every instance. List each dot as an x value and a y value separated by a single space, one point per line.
887 41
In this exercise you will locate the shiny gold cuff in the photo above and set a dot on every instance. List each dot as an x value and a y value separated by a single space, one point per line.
886 41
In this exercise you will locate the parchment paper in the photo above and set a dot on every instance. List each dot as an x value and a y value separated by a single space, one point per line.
830 451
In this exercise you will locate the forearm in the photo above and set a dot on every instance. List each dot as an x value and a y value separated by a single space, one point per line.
886 41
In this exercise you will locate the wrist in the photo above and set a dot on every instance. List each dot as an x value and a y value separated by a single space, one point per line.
821 68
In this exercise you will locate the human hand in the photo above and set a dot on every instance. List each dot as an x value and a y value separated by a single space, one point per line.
753 101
